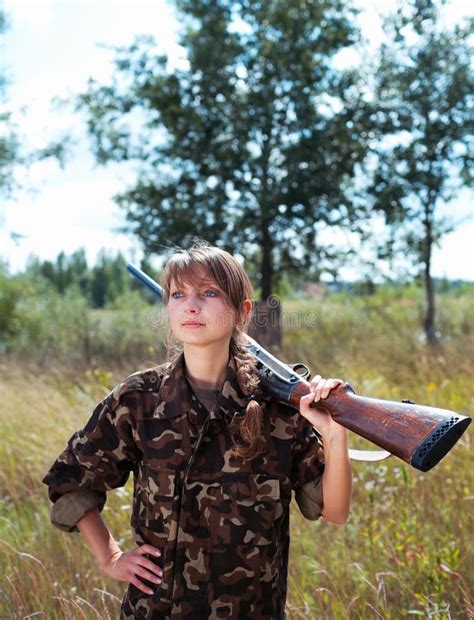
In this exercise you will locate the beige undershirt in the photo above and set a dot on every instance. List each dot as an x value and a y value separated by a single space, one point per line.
207 396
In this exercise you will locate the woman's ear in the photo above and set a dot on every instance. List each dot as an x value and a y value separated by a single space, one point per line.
247 307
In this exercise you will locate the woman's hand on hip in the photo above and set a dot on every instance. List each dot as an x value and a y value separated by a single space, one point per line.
133 566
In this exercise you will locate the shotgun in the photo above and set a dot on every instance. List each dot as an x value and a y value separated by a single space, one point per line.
418 435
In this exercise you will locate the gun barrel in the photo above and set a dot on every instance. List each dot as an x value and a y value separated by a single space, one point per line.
146 280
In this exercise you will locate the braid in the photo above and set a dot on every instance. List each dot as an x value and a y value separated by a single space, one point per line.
246 430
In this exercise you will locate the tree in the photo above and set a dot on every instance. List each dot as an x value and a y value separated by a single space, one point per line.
424 118
109 279
252 145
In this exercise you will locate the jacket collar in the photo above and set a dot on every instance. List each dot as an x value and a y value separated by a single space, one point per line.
176 396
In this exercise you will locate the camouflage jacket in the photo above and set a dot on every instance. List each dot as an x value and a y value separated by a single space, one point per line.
222 524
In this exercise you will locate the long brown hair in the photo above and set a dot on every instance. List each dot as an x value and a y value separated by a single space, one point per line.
232 279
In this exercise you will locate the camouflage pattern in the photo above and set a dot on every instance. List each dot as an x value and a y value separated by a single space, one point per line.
221 524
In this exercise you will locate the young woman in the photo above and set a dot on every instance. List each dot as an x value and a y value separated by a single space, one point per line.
214 461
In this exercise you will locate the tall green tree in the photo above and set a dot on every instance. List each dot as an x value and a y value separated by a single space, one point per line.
109 279
251 143
423 112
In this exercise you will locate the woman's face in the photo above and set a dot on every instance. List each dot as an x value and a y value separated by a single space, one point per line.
200 314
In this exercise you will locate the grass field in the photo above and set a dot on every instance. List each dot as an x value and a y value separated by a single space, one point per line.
406 550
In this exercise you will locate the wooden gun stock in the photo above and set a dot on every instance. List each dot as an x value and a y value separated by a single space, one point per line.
419 435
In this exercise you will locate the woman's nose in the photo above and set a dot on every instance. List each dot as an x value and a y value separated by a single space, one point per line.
192 304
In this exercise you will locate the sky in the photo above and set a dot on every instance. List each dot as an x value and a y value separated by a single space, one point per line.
49 52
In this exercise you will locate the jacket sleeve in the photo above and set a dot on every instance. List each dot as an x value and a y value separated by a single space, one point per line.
97 458
71 507
307 469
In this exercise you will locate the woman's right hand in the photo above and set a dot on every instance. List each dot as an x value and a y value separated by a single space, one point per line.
130 565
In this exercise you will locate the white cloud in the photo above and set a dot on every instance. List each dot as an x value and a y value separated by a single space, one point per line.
32 14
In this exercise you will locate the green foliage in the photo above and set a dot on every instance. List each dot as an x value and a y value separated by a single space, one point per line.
108 280
251 145
64 272
422 112
41 325
8 154
10 294
100 284
53 326
422 117
131 329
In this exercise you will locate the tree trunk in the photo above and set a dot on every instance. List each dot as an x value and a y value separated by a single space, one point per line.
266 267
429 320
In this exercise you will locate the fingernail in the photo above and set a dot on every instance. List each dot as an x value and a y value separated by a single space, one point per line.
157 552
150 591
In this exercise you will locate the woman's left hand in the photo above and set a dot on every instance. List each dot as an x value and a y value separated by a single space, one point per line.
320 389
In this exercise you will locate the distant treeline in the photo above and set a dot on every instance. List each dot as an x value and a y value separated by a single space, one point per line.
65 310
51 310
68 311
99 284
368 287
108 280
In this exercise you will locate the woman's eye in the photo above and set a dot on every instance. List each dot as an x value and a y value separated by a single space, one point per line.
207 293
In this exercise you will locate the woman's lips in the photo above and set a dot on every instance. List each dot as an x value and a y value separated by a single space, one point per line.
193 324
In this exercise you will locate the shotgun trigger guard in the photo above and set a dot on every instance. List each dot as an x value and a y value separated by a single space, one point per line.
347 387
304 373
